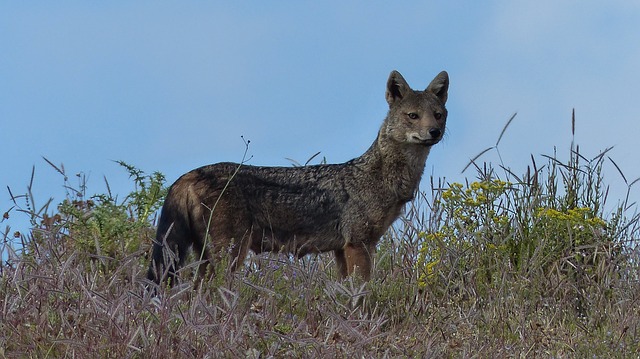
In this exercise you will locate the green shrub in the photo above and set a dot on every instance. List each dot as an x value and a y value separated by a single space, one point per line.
98 226
547 228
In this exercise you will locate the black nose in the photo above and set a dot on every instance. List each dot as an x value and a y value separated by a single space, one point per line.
435 132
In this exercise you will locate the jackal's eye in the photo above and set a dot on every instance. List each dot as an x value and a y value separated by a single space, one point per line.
413 115
437 115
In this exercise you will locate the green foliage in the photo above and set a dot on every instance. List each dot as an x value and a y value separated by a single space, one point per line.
471 216
524 226
100 226
148 194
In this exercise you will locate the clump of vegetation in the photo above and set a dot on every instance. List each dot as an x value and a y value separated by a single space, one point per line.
525 225
102 226
99 228
503 265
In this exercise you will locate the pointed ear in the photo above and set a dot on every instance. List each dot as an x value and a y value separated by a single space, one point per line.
397 87
440 86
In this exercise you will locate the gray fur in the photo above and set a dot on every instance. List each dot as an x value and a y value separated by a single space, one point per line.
344 208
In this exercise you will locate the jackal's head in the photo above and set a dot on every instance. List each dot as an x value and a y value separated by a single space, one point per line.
416 117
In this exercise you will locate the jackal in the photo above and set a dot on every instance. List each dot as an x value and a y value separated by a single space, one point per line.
230 208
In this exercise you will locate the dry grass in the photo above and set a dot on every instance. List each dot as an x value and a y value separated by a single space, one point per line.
513 281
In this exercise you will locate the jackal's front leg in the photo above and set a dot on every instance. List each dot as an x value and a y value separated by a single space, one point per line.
358 259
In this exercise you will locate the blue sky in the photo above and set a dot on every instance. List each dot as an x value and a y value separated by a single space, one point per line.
170 86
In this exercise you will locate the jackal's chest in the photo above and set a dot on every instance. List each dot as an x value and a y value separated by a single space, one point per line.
384 218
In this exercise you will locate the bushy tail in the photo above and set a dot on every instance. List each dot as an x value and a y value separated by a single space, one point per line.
172 243
163 259
156 272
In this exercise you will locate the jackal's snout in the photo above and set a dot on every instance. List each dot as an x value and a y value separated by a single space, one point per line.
429 137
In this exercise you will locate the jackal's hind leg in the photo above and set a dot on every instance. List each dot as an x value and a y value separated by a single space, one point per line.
239 249
205 267
341 262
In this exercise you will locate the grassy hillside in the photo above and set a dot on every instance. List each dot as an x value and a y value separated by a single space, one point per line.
506 265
